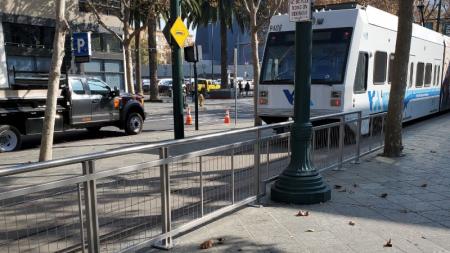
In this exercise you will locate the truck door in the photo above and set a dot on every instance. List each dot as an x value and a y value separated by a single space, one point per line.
80 102
102 103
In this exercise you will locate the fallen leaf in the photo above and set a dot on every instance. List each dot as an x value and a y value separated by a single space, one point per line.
384 195
424 185
351 223
423 237
336 186
207 244
302 213
310 230
388 244
432 151
355 185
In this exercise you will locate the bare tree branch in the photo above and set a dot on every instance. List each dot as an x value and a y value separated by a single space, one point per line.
100 21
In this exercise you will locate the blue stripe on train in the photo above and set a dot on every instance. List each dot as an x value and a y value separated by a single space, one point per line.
378 100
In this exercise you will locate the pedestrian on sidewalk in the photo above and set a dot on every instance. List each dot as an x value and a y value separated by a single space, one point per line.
241 89
247 88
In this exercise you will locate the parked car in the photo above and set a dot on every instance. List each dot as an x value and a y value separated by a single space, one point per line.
146 85
165 86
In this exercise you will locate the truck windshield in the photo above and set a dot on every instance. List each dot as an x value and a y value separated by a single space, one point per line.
329 57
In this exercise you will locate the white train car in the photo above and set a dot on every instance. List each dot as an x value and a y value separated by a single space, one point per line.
353 52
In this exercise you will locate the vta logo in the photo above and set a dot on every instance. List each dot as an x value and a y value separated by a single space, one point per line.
290 97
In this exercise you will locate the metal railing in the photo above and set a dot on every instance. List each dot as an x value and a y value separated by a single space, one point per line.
129 198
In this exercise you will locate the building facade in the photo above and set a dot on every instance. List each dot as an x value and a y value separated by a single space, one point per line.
28 27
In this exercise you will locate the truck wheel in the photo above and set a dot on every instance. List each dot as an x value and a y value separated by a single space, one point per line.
10 138
134 124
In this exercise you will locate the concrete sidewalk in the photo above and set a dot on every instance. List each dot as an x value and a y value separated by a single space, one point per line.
414 211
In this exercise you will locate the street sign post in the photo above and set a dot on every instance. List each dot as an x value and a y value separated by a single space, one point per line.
82 46
300 182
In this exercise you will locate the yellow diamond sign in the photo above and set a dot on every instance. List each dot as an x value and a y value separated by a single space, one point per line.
179 32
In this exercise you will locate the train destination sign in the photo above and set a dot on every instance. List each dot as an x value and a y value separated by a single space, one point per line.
299 10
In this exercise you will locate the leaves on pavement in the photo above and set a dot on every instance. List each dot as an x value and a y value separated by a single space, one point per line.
351 223
424 185
302 213
384 195
388 243
336 186
207 244
310 230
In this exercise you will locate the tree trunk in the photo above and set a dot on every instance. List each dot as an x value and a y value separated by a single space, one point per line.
393 138
128 66
137 56
153 58
255 57
46 152
223 49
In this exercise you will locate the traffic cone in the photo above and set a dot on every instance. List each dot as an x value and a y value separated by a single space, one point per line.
188 117
227 119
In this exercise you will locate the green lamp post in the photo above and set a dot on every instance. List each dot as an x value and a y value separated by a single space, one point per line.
300 182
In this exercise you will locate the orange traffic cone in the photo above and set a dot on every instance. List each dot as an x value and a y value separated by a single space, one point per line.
227 119
188 117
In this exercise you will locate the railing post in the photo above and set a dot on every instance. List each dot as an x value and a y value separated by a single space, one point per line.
232 176
201 186
257 158
358 137
268 160
90 203
80 214
166 218
341 142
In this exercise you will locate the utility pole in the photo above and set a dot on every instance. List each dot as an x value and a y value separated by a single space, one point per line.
300 182
177 77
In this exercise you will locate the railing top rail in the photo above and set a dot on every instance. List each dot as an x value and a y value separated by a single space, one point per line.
18 169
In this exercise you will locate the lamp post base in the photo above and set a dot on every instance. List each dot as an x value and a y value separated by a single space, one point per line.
304 188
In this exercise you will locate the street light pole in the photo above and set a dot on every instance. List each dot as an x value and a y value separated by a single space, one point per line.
300 182
212 50
177 77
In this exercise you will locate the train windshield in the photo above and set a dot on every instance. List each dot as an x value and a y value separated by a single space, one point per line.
329 57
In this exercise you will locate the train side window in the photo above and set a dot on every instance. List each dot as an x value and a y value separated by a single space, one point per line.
391 67
428 71
360 84
439 76
420 74
434 75
379 72
411 74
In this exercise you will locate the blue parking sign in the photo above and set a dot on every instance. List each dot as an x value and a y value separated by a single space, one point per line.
82 44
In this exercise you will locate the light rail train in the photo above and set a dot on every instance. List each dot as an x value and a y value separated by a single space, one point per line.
352 57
